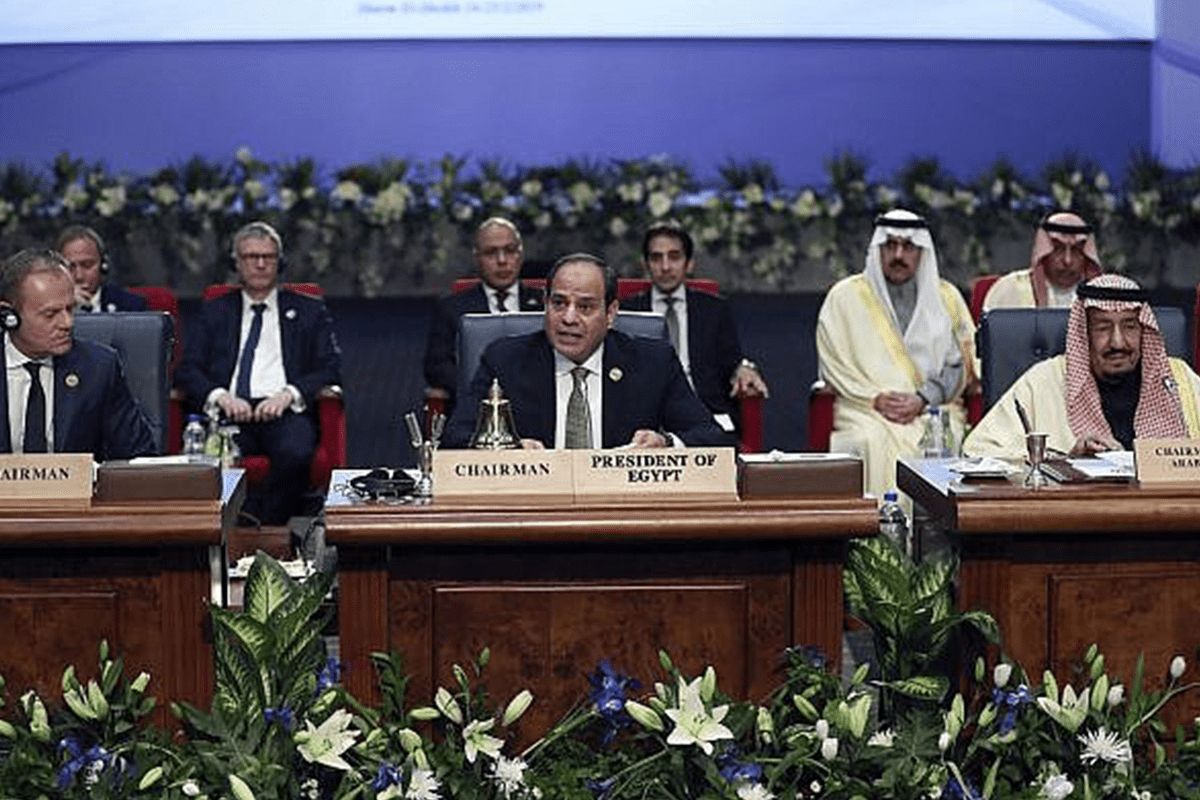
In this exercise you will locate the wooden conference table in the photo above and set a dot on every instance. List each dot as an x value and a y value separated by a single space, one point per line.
138 573
1073 564
553 590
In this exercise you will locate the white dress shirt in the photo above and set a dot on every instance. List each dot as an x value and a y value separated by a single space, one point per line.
658 305
564 383
267 374
18 395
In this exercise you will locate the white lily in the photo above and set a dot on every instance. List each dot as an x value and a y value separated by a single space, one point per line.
325 744
693 723
476 740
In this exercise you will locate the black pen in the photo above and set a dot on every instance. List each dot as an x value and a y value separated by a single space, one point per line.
1024 419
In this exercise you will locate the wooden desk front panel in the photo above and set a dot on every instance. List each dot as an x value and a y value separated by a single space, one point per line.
1056 595
550 614
150 604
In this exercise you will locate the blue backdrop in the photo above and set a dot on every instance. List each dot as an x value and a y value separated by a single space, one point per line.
791 102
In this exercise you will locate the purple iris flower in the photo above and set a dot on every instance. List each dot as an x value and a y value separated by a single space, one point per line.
282 715
329 674
1011 702
601 788
608 696
733 770
80 759
386 776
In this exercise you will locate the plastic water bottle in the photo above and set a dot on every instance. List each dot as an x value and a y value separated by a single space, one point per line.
194 436
933 438
893 522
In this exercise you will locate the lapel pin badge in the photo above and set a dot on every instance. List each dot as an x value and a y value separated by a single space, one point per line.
615 374
290 313
111 307
72 380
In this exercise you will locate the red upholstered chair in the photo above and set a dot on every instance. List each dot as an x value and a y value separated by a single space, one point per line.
980 286
331 413
1196 331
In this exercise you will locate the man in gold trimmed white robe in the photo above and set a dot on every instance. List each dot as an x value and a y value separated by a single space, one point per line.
1113 384
894 341
1064 255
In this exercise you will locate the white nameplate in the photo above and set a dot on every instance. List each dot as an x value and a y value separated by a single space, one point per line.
675 473
486 477
46 480
1167 460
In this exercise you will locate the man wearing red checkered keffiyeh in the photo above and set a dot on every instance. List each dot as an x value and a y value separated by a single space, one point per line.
1115 383
1064 255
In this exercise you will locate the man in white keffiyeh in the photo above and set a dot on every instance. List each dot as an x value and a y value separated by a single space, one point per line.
893 341
1114 383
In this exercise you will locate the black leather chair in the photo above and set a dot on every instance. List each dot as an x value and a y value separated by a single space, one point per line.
477 331
1011 340
146 342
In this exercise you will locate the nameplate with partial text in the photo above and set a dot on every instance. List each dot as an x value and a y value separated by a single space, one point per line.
46 480
502 476
675 473
1167 460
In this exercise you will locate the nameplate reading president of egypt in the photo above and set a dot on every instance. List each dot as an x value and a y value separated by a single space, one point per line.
1167 460
46 480
667 473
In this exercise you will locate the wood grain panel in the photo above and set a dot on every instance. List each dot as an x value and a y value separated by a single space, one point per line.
549 638
47 625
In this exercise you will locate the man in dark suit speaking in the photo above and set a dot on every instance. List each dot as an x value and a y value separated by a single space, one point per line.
46 368
578 383
260 356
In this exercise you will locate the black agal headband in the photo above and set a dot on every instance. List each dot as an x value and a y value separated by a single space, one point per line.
1086 291
1066 227
888 222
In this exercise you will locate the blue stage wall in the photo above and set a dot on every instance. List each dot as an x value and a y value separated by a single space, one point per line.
791 102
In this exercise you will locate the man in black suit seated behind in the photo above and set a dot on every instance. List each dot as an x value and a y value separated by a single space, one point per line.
87 256
93 409
499 255
702 329
260 356
580 384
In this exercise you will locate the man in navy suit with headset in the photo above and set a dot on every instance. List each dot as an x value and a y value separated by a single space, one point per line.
46 368
87 256
579 384
259 357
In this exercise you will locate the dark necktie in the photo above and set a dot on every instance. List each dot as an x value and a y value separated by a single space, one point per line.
672 318
35 411
246 362
579 416
501 297
87 308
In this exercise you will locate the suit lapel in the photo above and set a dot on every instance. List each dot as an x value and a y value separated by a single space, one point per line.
287 321
66 399
233 329
612 375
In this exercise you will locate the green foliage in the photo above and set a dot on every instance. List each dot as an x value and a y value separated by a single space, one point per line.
909 608
1003 737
